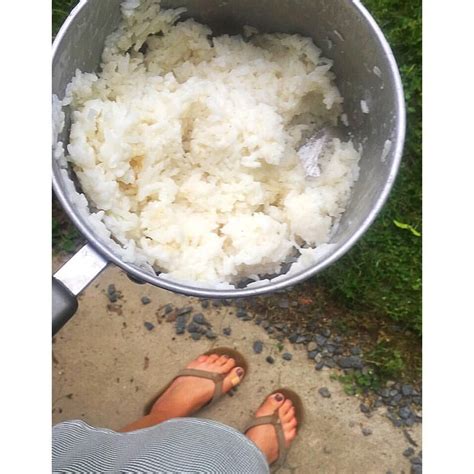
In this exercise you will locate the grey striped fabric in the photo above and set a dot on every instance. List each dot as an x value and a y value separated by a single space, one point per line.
181 445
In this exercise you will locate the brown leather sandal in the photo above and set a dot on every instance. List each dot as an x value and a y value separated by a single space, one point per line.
218 379
274 420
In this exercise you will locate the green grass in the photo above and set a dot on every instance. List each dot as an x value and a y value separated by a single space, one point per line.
382 274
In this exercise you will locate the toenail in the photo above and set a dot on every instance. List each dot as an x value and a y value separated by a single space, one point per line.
240 372
279 397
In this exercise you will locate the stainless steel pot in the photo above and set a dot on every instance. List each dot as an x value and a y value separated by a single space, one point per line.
367 76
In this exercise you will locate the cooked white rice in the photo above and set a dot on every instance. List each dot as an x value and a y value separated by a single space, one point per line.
186 147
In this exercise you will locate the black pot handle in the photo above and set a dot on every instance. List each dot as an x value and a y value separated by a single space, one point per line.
70 280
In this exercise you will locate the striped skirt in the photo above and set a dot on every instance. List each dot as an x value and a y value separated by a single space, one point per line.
181 445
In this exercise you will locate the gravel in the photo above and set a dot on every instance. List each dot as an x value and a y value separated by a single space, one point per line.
366 431
321 340
364 408
168 308
185 310
312 346
200 319
415 460
227 331
312 354
112 293
351 362
149 325
270 359
145 300
193 328
405 412
407 390
287 356
181 324
409 452
324 392
211 334
205 304
319 365
196 336
257 347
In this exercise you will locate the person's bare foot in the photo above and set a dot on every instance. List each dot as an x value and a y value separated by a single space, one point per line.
264 436
188 394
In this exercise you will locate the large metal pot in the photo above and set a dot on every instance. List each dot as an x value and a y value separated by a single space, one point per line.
367 74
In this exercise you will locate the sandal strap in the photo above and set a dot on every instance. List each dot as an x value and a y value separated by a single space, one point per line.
275 421
218 380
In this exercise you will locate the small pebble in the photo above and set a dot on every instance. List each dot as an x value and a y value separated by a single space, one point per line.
205 304
112 293
168 308
404 412
193 328
200 319
183 311
351 362
356 351
300 339
407 390
324 392
241 313
312 354
211 335
366 431
265 324
416 469
270 359
409 452
258 347
312 346
415 460
319 365
196 336
145 300
227 331
326 332
149 325
364 408
321 340
293 338
287 356
216 303
226 302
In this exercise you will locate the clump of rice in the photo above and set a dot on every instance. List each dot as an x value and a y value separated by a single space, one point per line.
186 146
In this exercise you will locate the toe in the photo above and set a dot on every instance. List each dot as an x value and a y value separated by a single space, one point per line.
290 414
234 377
288 426
228 366
285 408
271 404
212 358
222 360
197 362
291 435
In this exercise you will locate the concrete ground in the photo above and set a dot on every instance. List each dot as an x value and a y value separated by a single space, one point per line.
107 366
